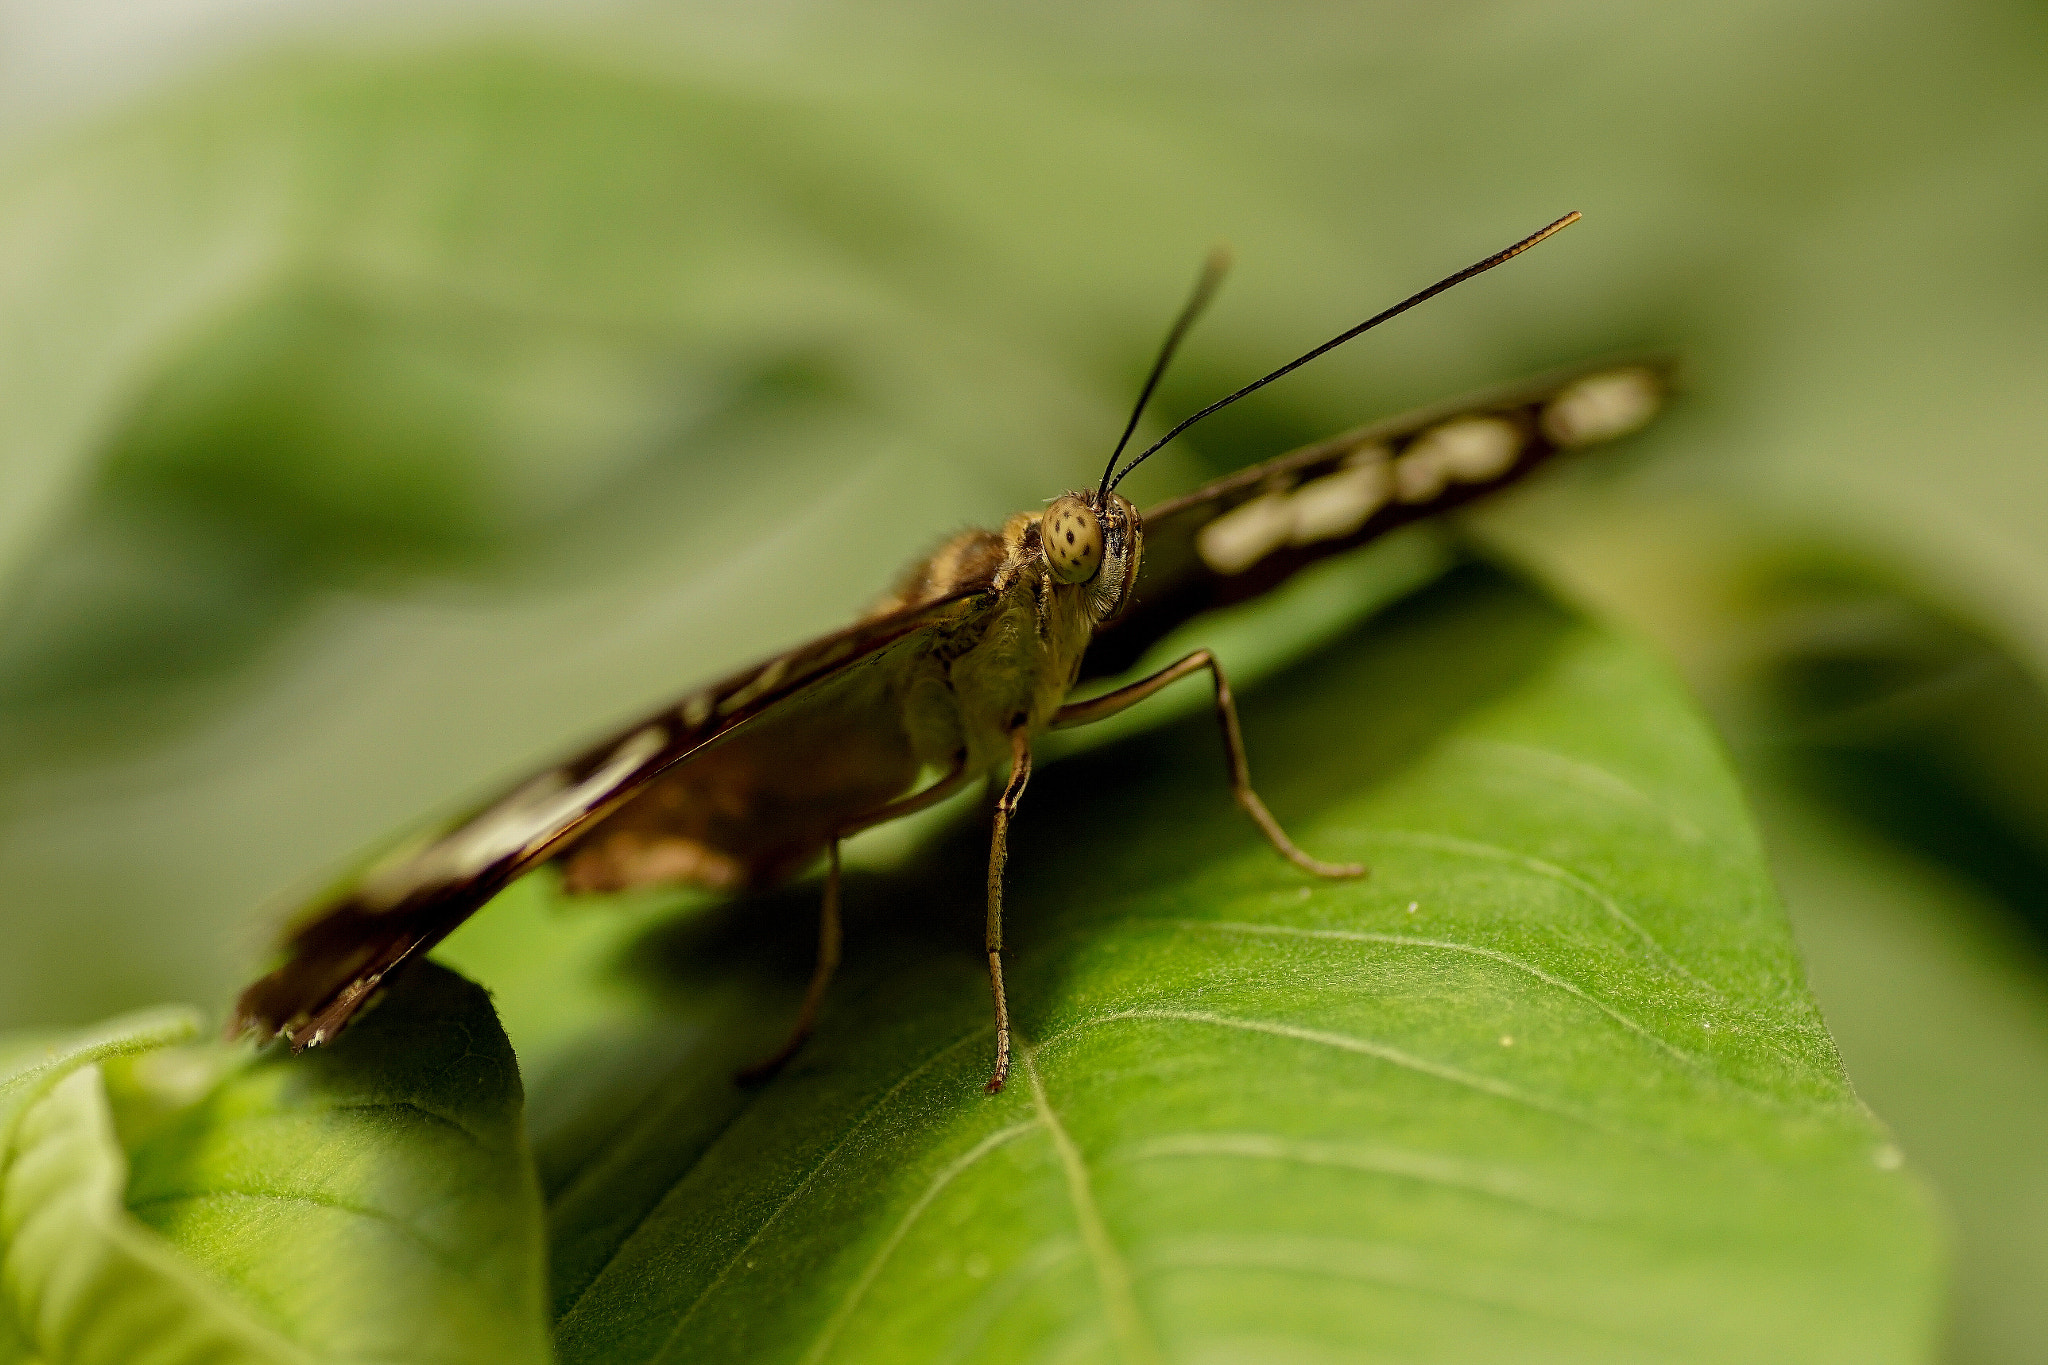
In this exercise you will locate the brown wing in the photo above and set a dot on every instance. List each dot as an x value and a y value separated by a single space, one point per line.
408 902
1244 534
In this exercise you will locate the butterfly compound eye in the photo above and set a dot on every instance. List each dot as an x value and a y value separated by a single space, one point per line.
1072 535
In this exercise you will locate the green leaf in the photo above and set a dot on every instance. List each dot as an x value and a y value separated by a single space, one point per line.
83 1281
31 1065
370 1201
89 1283
1550 1076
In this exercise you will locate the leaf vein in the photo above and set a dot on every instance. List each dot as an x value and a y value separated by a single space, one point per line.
1344 1043
447 1256
1542 867
1577 773
959 1166
1451 946
1350 1259
1112 1273
802 1186
1427 1168
408 1107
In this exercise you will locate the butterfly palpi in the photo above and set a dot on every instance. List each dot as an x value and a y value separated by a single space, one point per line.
749 781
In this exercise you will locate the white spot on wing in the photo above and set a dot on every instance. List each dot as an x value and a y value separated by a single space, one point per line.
1417 478
697 710
1601 407
764 682
1338 504
1246 534
537 810
1463 450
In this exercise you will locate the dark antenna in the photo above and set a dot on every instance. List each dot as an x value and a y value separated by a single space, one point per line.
1403 306
1205 289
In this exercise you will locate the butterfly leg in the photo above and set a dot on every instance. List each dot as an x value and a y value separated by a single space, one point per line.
830 935
998 854
1110 703
829 939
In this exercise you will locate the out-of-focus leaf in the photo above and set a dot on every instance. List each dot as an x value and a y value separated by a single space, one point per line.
1937 998
1550 1075
586 381
90 1285
1899 752
83 1282
1912 721
372 1201
31 1064
375 1199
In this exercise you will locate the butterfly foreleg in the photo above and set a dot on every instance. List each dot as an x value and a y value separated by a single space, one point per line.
830 934
998 854
1110 703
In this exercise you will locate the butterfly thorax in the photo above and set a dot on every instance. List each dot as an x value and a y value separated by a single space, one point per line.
1008 665
760 806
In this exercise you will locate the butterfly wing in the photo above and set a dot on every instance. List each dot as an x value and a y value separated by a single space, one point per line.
705 753
1244 534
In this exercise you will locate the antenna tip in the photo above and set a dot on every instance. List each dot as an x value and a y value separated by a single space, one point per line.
1519 247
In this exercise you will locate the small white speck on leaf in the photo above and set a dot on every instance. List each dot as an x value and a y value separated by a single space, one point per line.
1507 1040
1413 906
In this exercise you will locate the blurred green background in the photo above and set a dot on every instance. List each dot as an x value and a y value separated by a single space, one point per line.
390 397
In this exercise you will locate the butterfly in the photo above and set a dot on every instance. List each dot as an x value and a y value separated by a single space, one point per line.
748 781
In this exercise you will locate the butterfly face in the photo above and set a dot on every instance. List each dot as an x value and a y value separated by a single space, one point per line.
1123 540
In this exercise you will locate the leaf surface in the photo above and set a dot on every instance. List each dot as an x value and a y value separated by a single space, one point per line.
373 1201
1550 1076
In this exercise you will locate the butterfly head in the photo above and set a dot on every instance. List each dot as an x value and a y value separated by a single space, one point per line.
1093 544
